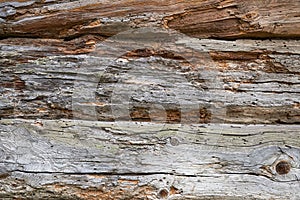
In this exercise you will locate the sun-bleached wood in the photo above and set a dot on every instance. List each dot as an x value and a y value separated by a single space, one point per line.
109 160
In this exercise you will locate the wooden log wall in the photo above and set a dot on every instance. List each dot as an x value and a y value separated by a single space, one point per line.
155 99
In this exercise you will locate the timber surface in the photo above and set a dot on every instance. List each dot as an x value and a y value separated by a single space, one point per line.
150 99
109 160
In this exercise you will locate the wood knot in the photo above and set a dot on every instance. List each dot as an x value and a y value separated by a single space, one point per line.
174 141
4 175
163 193
283 167
250 16
18 83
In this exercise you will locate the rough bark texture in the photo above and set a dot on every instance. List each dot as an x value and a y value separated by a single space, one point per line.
209 18
150 99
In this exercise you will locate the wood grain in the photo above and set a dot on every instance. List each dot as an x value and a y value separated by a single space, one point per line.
153 99
204 19
104 160
240 81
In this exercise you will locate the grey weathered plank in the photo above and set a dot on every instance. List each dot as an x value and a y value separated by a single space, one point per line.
68 157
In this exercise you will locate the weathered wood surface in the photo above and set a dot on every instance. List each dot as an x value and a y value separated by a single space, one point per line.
249 81
208 18
125 160
149 99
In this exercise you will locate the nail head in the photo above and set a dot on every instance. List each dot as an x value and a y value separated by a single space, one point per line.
283 167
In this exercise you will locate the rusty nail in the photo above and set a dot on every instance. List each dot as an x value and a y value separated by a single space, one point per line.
283 167
163 193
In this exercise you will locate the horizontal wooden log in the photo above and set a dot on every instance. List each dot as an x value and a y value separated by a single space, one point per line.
104 160
204 19
149 99
239 81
